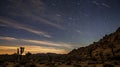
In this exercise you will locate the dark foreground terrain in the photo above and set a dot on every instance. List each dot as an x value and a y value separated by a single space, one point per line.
104 53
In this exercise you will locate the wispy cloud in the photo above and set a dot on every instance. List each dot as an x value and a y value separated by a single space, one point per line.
78 31
105 5
14 24
49 43
96 3
8 38
101 4
42 20
3 25
33 9
39 42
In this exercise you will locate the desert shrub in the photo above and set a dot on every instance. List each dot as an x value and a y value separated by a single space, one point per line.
22 62
68 63
41 62
116 62
5 64
108 55
30 65
58 63
93 66
2 62
117 57
93 59
50 64
63 62
16 65
91 62
117 51
108 65
99 62
86 66
76 65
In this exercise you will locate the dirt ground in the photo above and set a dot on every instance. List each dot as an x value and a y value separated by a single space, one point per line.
9 64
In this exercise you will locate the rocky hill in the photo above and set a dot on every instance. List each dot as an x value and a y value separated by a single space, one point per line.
107 48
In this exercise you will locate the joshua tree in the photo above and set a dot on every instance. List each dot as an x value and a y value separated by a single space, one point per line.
20 52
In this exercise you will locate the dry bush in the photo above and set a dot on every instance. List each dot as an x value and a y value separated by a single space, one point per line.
108 65
30 65
16 65
77 65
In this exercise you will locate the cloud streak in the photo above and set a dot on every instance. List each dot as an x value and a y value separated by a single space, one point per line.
101 4
34 11
8 38
42 20
49 43
14 24
105 5
39 42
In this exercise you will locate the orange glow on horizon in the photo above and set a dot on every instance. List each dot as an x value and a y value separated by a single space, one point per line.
32 49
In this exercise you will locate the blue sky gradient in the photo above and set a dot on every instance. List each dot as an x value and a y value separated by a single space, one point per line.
60 24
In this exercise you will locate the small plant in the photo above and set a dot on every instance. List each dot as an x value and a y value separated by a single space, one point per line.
68 63
77 65
41 62
101 57
16 65
86 66
22 62
116 63
51 64
93 66
108 65
30 65
2 62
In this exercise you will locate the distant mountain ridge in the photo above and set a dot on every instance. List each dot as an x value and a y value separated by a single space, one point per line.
106 48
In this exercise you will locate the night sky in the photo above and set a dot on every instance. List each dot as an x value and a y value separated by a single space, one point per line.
56 26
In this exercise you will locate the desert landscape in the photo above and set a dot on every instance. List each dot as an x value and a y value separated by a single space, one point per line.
59 33
104 53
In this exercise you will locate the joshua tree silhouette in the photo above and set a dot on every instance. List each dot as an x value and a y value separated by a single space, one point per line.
20 51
